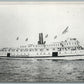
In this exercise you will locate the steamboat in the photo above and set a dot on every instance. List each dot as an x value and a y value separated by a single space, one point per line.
69 47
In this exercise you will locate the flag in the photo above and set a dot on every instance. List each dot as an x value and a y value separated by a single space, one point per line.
46 36
66 30
26 39
17 38
55 37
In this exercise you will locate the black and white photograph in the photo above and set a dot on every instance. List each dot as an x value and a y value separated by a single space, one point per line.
42 42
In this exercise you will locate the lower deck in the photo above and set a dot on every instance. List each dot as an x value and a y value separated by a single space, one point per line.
42 54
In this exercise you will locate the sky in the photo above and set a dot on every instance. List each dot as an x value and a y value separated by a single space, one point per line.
28 20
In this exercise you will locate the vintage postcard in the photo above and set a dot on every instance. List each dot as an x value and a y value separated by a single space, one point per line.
42 42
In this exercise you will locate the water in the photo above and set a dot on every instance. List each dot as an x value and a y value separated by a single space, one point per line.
38 70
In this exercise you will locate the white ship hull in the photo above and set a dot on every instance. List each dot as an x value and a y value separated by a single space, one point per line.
42 54
69 47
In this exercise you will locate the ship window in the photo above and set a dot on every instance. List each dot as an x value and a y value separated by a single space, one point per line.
17 50
29 49
1 50
13 49
68 48
53 48
59 49
21 50
65 49
62 48
41 49
47 49
8 50
35 49
26 49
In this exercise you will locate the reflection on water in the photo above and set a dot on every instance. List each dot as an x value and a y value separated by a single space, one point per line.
38 70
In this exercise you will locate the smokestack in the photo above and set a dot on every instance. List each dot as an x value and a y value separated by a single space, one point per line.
40 38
